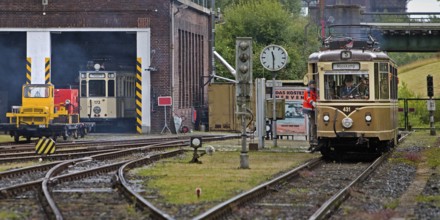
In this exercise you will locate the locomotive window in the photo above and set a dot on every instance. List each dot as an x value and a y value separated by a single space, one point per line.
111 88
83 88
36 92
97 88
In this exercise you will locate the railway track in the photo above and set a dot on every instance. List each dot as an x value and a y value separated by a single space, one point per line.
298 194
260 198
69 151
22 187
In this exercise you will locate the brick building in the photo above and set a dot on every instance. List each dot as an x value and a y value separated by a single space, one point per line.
170 37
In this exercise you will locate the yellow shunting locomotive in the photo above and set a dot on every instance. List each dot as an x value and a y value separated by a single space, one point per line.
357 98
45 112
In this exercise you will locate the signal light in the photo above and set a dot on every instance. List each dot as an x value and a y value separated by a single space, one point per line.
430 85
243 61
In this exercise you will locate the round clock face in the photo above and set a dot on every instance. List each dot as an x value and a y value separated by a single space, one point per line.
273 57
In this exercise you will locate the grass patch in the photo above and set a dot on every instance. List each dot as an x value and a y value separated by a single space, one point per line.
219 177
10 215
392 205
6 138
429 199
415 75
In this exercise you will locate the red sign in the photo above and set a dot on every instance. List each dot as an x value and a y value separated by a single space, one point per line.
164 101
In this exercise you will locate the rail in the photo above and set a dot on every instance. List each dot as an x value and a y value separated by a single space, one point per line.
228 205
325 210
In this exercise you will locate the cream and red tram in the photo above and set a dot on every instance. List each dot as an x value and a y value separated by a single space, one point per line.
365 119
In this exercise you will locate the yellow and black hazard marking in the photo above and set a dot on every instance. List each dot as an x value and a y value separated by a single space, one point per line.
28 70
47 76
45 146
139 95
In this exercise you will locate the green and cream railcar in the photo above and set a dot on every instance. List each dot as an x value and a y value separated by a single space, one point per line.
364 116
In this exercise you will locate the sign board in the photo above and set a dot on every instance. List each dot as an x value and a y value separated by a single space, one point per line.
295 120
431 105
278 83
45 146
164 101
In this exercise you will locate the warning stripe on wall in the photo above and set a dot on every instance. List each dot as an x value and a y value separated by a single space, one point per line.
28 70
47 77
139 95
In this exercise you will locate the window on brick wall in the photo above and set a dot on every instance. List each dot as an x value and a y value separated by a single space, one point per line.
190 69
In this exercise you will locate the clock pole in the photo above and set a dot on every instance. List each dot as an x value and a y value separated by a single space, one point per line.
274 58
274 111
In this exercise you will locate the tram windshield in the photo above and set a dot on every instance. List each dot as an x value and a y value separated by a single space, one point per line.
346 85
96 88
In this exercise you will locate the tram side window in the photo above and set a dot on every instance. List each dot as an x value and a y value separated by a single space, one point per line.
83 88
97 88
384 81
111 88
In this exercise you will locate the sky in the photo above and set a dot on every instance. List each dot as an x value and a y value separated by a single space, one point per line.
423 6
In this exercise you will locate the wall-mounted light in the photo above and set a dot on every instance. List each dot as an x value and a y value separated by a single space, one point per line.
151 69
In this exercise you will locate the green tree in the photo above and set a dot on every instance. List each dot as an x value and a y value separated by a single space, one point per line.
267 22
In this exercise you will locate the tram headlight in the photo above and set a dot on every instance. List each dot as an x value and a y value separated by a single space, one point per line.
368 117
97 109
347 122
326 118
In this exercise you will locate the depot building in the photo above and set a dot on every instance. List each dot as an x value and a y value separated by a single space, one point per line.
165 42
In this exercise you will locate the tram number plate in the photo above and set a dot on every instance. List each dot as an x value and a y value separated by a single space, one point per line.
346 109
97 102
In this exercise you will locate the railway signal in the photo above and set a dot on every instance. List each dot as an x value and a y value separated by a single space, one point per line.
243 59
430 85
243 91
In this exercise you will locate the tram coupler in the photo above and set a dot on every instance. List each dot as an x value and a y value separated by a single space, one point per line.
361 140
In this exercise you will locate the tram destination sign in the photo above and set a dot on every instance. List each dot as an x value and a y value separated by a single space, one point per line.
346 66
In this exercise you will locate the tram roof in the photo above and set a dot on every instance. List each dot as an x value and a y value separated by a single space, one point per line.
356 55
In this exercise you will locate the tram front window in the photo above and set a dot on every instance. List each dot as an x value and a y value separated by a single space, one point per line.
346 86
96 88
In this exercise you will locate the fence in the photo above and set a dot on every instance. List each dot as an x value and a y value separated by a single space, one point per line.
414 113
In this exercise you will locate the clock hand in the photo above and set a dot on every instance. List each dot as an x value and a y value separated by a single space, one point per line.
273 60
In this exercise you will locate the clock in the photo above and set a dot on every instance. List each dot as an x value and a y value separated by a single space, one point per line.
273 57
